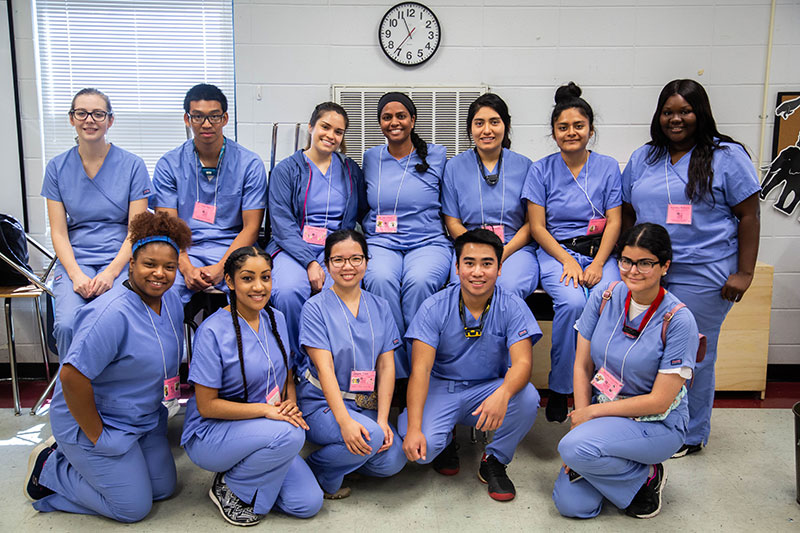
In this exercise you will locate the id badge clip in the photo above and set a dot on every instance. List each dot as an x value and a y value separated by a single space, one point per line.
679 214
498 230
386 224
204 212
607 383
362 381
273 396
172 388
596 226
314 235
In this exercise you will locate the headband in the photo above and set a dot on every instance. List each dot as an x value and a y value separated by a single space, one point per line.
154 238
396 97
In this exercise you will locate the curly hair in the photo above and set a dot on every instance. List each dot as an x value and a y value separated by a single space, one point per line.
148 224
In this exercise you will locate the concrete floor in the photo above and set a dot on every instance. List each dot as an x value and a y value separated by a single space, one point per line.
744 481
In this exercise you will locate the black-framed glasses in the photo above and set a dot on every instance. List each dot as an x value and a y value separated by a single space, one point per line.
82 114
644 266
355 260
198 120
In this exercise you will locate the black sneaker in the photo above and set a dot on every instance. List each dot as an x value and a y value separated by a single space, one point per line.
647 502
556 410
447 462
687 449
493 473
233 510
32 489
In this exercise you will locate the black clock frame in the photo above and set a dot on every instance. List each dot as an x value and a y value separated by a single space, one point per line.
388 55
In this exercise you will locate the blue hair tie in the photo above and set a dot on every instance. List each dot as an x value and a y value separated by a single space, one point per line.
154 238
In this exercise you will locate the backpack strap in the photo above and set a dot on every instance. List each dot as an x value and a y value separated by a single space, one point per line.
606 296
701 348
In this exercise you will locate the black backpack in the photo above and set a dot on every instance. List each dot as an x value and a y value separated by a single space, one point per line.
14 246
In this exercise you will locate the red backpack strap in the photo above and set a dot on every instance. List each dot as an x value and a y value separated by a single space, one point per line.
667 317
606 296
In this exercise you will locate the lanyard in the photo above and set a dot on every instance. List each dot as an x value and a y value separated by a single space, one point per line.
502 172
471 333
642 326
158 337
380 169
585 187
265 349
308 186
350 329
219 168
666 179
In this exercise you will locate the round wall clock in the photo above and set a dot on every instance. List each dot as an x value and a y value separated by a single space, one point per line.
409 34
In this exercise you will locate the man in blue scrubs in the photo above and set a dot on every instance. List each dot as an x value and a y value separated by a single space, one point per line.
471 364
215 185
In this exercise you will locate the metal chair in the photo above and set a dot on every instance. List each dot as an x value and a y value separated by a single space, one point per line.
34 290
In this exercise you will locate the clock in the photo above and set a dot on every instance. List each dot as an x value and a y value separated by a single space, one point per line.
409 34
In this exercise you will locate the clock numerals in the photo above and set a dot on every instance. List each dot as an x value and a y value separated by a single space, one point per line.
409 33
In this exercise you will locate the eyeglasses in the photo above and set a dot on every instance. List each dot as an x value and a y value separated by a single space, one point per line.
644 266
354 260
198 120
82 114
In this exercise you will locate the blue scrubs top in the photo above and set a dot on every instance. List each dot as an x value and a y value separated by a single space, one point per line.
115 347
713 233
418 200
326 323
240 185
321 211
438 324
215 363
97 209
464 190
648 355
570 203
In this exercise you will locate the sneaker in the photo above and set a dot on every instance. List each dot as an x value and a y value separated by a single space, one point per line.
233 510
36 460
493 473
556 410
647 502
447 462
687 449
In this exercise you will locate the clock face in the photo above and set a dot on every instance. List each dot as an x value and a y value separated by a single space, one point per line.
409 33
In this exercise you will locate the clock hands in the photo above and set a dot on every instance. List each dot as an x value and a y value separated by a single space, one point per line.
400 46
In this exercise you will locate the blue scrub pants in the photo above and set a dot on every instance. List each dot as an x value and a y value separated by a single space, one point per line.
291 289
261 463
452 402
699 286
201 255
613 455
68 302
333 461
111 478
519 275
405 280
568 304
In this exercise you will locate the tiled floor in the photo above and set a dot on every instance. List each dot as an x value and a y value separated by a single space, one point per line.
744 481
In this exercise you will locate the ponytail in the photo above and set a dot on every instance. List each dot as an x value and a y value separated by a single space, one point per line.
422 151
278 339
238 330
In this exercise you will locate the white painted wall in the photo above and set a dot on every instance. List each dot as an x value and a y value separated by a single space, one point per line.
620 51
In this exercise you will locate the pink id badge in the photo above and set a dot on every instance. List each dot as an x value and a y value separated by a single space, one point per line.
679 214
607 383
386 224
314 235
172 388
596 226
362 381
204 212
273 396
497 230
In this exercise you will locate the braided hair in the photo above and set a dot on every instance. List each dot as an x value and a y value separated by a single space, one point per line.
232 265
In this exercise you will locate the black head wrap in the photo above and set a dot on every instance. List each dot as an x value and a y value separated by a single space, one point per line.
396 97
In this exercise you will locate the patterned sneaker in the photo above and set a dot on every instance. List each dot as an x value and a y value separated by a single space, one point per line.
647 502
687 449
32 490
447 462
493 473
233 510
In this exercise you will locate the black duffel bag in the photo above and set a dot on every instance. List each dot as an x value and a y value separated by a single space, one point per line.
14 246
